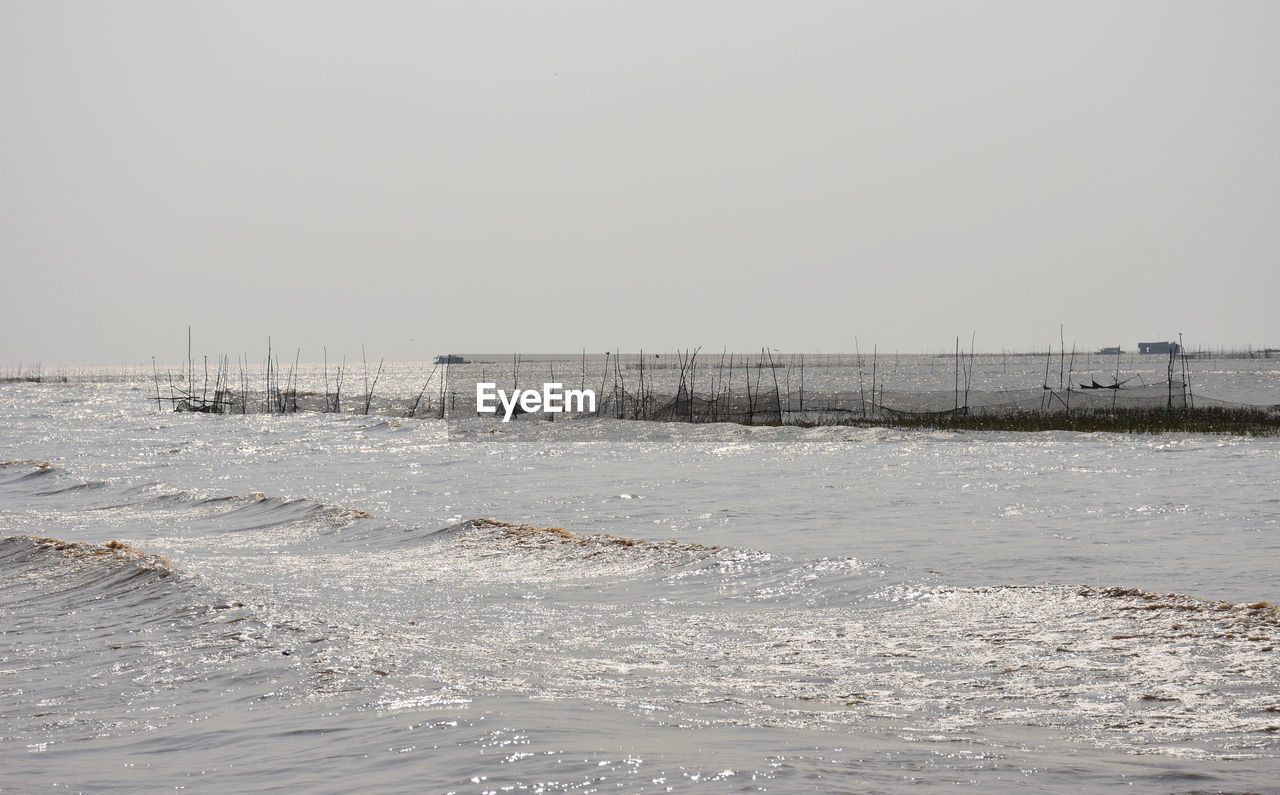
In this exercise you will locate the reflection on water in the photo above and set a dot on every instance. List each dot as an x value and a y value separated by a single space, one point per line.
318 602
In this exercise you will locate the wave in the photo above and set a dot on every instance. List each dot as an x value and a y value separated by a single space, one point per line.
258 511
484 550
1116 667
241 512
1121 667
1144 613
527 536
24 470
94 626
89 571
52 498
1174 615
535 546
97 626
112 588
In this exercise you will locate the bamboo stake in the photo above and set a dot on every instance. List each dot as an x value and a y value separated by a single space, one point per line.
862 395
1070 375
1186 374
267 386
957 408
777 397
368 398
875 355
156 374
692 367
414 411
1062 354
444 381
604 377
728 395
337 387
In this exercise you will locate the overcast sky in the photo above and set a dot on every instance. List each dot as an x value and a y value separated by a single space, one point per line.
546 176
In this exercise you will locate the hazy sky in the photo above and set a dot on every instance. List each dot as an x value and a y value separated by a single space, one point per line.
547 176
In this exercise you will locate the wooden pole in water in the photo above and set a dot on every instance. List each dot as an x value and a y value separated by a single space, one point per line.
368 399
266 397
337 386
802 383
619 385
692 366
957 408
1115 382
1062 354
604 377
640 410
1070 375
156 374
715 399
1048 359
1186 374
875 357
444 382
777 397
968 370
786 379
292 397
413 412
728 393
862 394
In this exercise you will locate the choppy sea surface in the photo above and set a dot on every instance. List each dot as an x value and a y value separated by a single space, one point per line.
327 602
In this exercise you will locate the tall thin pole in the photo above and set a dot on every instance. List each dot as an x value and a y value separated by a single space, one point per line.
1062 355
957 373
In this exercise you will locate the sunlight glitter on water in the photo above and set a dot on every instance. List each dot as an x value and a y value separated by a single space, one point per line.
720 599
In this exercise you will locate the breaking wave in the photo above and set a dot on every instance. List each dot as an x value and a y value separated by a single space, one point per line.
531 537
97 625
681 633
26 469
54 499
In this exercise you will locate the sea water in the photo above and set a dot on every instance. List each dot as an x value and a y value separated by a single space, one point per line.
331 602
